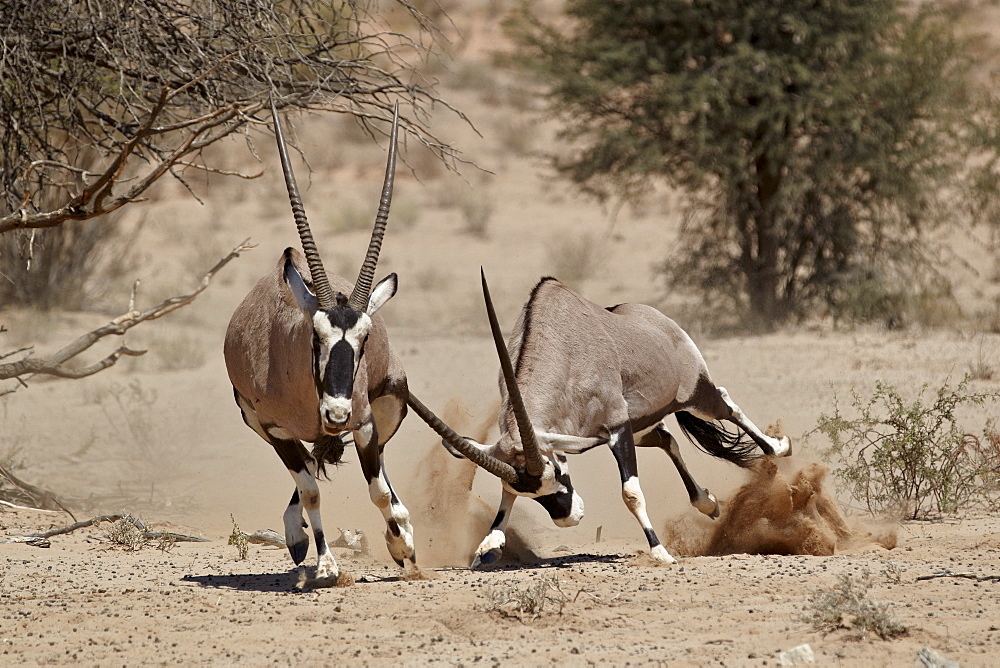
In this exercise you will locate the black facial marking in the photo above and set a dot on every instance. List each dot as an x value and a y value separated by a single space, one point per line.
558 505
339 378
343 317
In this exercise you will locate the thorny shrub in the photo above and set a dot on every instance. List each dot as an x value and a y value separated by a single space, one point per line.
914 456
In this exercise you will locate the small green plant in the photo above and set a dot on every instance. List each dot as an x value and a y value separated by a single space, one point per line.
528 601
913 457
847 605
238 539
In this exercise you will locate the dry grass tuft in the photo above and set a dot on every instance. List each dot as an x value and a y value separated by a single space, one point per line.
847 606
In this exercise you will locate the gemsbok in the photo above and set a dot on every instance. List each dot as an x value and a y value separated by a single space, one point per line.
308 363
585 376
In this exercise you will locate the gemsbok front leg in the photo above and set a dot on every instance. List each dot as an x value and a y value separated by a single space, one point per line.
399 531
297 460
700 498
622 445
492 546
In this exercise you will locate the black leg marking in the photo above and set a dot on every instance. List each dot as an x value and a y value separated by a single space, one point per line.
298 550
651 537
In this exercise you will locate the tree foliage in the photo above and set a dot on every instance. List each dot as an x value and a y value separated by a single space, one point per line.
816 141
100 98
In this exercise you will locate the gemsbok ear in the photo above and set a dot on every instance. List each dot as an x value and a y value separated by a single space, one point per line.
303 296
382 293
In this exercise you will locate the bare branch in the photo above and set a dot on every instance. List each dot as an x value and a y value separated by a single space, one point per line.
56 364
122 96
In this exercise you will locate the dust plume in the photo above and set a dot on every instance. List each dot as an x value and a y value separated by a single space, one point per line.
446 504
785 508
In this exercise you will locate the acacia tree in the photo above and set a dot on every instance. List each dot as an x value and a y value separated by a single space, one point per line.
94 91
101 98
816 141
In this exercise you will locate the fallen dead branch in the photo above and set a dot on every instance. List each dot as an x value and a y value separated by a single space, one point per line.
966 576
136 522
32 497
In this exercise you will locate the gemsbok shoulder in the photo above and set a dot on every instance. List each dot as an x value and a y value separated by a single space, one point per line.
585 376
310 363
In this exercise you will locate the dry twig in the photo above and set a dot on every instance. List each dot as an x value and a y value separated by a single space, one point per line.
56 364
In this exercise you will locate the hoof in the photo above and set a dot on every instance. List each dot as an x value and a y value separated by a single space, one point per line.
486 558
660 554
707 504
299 550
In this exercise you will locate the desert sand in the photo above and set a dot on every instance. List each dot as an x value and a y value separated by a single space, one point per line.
160 437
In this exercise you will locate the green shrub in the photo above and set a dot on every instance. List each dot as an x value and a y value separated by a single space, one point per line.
913 457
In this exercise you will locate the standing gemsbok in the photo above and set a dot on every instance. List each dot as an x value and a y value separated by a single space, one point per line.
308 363
585 376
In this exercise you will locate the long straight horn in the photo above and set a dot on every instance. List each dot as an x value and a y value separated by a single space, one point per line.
363 286
321 284
532 457
482 459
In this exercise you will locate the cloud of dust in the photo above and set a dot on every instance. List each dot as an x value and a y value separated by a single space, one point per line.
454 516
785 508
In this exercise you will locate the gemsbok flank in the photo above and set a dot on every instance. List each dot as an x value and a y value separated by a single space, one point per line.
586 376
308 363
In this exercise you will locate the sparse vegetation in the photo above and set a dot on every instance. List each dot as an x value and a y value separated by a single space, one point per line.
127 533
477 210
847 605
912 457
526 601
178 352
573 259
239 540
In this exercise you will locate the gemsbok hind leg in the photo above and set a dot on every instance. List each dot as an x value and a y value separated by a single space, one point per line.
700 497
399 531
771 446
622 446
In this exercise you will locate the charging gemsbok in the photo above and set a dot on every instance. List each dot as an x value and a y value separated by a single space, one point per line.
585 376
308 363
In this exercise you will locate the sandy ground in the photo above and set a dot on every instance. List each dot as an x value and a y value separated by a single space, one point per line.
160 437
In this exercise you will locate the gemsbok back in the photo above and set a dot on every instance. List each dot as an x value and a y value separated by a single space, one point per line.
308 363
585 376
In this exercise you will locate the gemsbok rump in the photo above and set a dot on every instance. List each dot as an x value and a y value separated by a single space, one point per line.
585 376
308 363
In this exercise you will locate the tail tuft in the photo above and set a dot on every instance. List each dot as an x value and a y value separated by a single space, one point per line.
717 441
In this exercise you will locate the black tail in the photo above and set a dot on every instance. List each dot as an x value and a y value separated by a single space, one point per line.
327 450
717 441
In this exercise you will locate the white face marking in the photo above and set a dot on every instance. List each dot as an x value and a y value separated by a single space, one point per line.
575 514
